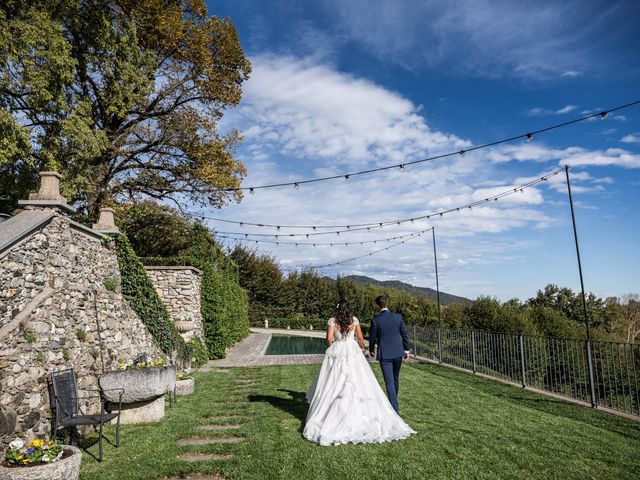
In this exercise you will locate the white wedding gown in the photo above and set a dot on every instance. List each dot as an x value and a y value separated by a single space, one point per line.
346 403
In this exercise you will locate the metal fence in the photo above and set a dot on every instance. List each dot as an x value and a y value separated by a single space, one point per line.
556 365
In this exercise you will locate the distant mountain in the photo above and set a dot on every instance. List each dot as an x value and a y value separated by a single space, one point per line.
445 298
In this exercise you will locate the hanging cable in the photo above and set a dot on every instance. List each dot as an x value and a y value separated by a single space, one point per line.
528 136
245 238
333 264
356 227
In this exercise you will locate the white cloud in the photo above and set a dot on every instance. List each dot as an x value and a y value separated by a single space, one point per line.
539 111
631 138
313 111
566 109
571 73
575 156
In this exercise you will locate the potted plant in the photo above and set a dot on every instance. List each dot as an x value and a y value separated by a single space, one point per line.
40 459
185 384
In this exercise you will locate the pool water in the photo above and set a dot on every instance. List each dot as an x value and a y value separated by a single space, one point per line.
292 345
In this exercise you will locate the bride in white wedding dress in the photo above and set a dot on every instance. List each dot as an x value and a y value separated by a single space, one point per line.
346 403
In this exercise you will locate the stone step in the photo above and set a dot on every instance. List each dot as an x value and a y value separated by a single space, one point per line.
196 476
209 440
204 457
228 426
223 417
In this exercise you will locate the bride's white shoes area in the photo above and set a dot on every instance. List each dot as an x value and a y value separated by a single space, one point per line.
346 403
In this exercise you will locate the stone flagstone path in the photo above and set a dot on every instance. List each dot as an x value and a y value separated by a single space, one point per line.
223 429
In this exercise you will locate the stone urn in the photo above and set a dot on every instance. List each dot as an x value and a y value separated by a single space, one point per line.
67 468
184 326
144 390
185 386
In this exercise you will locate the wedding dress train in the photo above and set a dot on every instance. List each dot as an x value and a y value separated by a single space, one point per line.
346 403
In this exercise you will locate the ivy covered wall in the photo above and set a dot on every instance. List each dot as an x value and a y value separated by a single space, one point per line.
224 303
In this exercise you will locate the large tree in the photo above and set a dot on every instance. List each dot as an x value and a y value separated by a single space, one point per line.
122 97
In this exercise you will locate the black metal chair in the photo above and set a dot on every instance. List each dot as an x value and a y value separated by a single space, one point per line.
66 407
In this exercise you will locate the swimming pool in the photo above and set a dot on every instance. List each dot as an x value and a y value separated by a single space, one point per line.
293 345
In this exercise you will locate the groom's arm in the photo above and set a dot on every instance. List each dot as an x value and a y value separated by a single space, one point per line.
373 336
405 337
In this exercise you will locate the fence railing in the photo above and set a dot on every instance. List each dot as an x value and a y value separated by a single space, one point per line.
556 365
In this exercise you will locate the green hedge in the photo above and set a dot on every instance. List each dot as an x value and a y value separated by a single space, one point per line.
297 323
141 295
224 304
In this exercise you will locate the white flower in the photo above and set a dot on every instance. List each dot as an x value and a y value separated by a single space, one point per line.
17 444
45 458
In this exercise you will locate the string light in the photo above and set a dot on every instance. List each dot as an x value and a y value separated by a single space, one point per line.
413 235
602 114
356 227
529 137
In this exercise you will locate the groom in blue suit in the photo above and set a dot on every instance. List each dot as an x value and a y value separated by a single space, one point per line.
390 333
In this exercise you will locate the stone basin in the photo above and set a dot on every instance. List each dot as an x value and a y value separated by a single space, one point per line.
139 384
67 468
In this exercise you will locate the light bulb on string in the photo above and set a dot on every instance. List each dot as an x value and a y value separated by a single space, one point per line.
401 167
529 137
461 153
604 115
296 186
251 191
347 177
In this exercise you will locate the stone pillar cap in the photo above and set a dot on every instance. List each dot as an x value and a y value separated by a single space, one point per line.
106 221
49 194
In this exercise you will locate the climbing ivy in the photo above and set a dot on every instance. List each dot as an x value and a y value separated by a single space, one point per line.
141 295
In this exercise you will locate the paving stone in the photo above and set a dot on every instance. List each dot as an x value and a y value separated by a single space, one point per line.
209 440
204 457
196 476
228 426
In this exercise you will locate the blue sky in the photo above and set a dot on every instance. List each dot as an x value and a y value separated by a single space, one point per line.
339 86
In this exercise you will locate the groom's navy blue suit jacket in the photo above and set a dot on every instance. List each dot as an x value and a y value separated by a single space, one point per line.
390 333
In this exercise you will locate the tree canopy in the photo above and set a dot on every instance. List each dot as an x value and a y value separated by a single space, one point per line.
121 97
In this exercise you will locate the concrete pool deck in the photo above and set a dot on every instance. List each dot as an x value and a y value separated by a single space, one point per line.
250 351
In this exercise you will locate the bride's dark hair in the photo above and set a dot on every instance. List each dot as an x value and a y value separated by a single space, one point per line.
343 316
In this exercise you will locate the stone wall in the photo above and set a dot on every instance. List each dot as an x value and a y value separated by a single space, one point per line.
179 289
59 308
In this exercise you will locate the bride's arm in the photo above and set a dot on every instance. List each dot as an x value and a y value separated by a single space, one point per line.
359 336
330 329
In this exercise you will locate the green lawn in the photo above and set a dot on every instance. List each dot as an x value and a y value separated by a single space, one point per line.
468 427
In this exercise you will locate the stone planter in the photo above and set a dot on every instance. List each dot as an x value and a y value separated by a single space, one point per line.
185 386
67 468
139 384
144 389
184 326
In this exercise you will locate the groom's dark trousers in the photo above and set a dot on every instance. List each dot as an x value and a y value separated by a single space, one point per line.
389 332
391 373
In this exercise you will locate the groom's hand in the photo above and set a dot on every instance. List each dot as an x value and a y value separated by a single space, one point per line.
405 356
